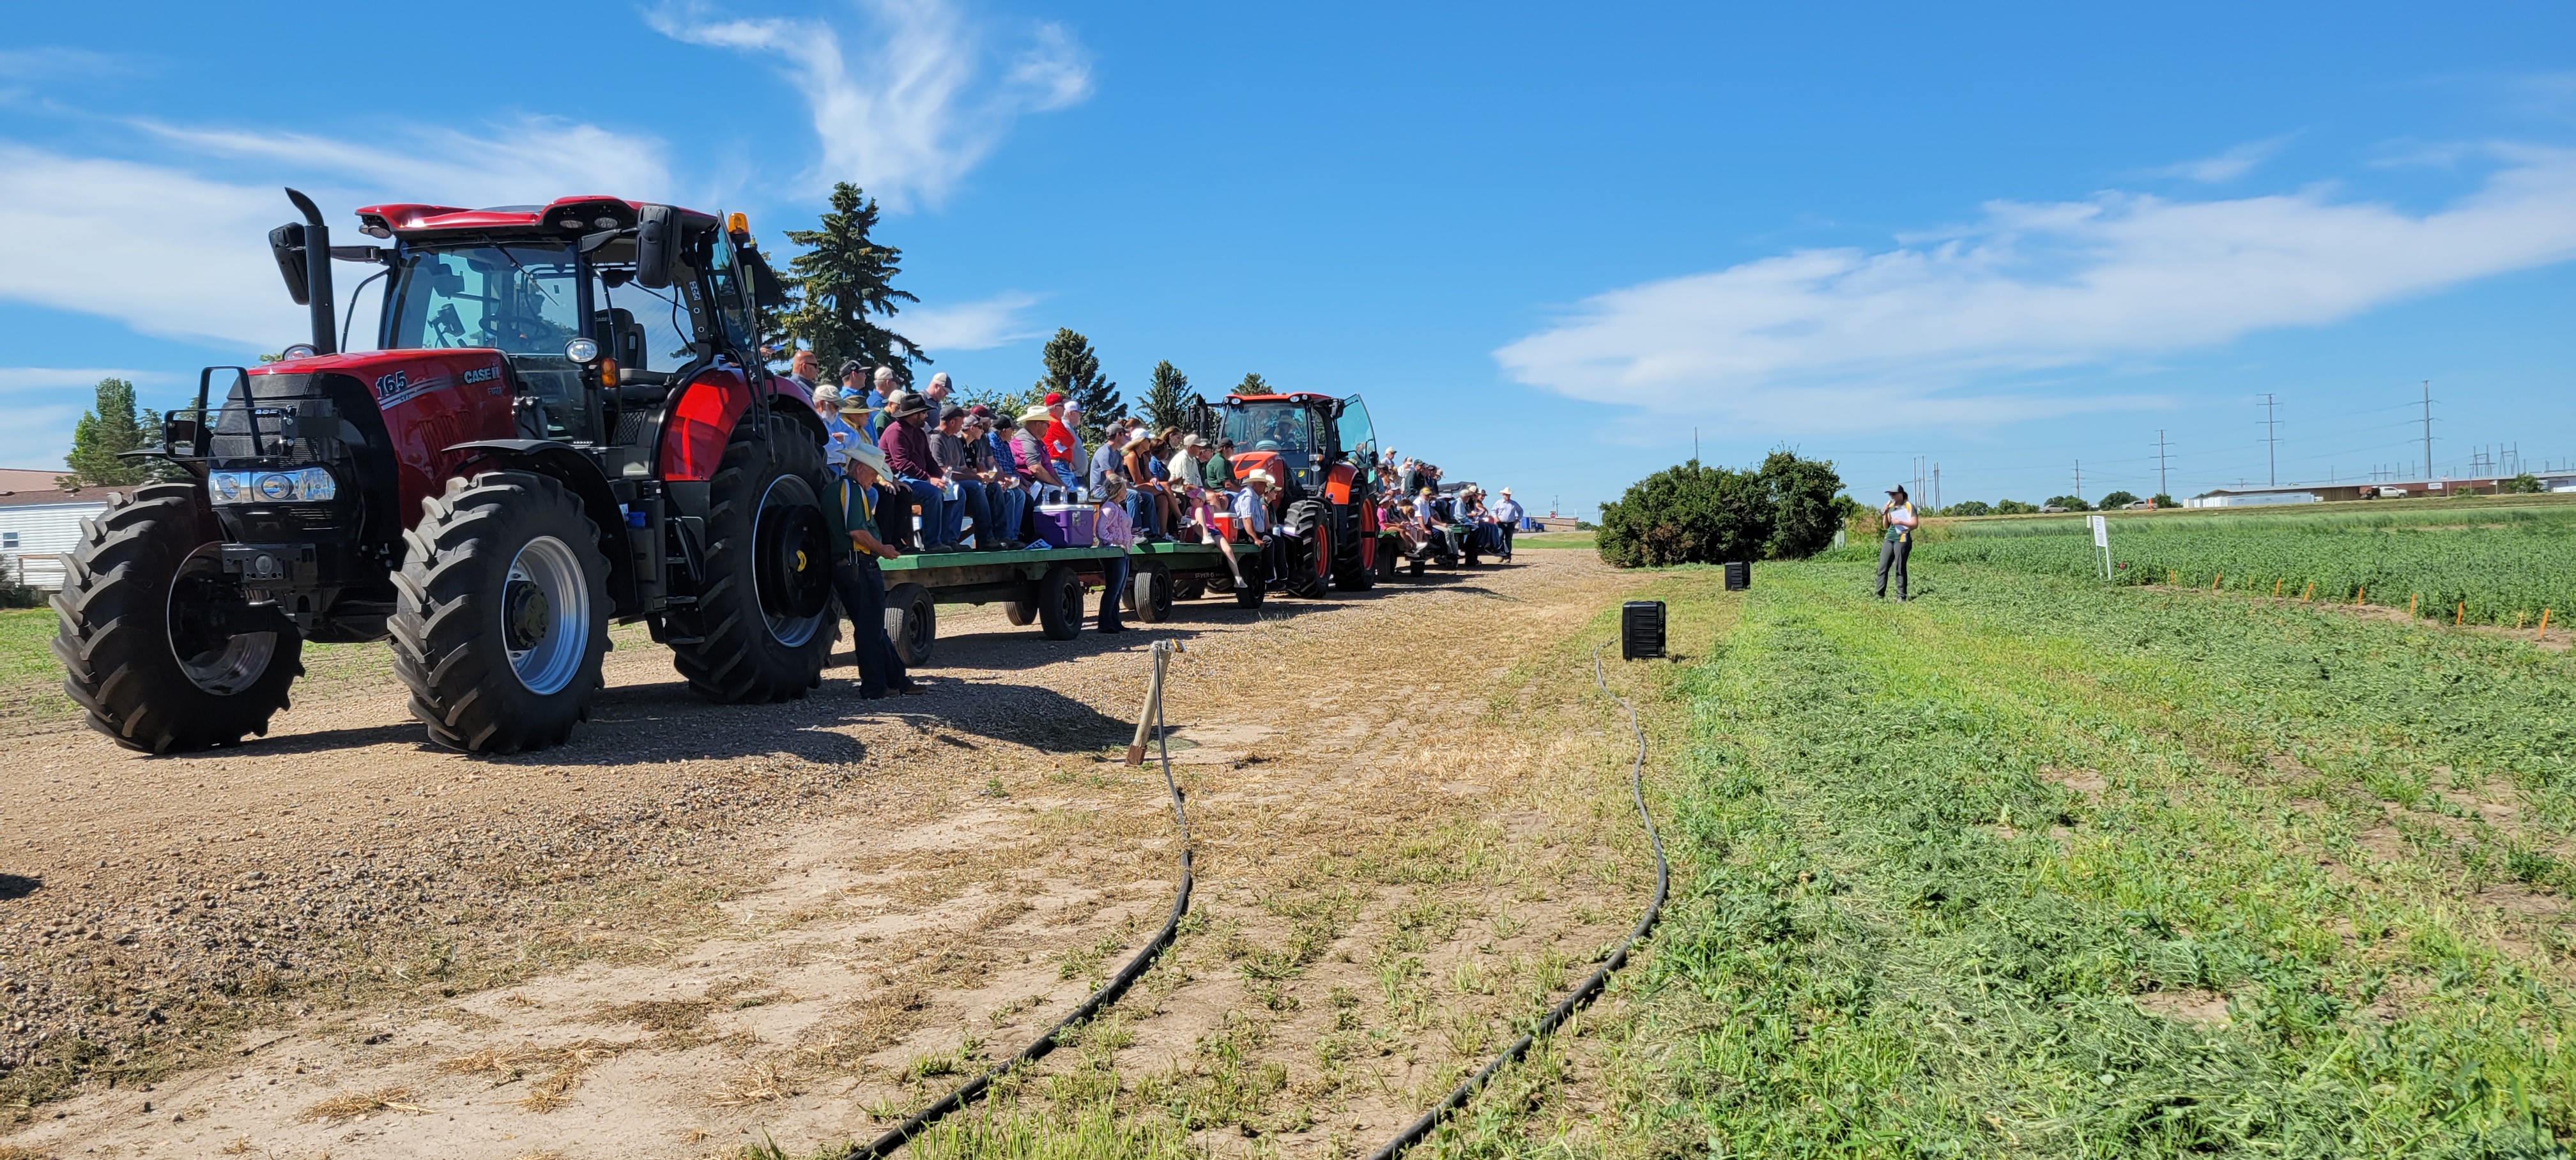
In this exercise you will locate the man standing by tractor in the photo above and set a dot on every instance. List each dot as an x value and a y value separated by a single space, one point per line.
856 578
1252 514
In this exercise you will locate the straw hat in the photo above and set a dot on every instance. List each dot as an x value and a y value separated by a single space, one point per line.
1035 415
867 453
1256 475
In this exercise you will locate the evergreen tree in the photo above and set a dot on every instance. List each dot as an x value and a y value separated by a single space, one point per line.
1252 384
841 279
108 431
1074 370
1167 401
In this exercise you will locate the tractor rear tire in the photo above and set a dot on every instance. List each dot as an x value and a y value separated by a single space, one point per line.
1149 592
137 656
760 629
501 613
1060 600
912 623
1351 575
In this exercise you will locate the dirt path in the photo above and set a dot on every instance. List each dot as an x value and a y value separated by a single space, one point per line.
698 927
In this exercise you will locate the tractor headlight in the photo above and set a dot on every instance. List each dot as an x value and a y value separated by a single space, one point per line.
305 485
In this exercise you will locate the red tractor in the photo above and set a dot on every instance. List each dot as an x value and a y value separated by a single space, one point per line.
1323 453
566 422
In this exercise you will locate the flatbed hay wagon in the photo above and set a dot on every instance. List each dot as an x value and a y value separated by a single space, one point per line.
1050 587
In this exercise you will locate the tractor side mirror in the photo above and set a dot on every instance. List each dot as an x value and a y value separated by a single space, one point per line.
657 245
287 243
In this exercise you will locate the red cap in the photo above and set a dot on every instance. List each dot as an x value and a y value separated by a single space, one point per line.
1054 397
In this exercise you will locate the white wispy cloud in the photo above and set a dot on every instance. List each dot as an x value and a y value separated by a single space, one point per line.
1845 339
2227 166
980 325
58 378
908 116
521 160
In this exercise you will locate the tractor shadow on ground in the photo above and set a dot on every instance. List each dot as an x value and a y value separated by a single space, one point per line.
16 886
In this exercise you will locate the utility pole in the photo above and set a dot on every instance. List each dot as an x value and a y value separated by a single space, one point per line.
2428 429
1936 485
2079 479
2271 445
2161 489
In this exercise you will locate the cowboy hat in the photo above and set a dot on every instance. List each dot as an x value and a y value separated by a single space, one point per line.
1036 415
868 453
1256 475
1507 491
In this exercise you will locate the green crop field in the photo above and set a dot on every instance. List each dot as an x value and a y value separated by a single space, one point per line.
2040 866
2486 562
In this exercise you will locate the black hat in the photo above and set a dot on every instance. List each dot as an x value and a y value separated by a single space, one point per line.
1899 489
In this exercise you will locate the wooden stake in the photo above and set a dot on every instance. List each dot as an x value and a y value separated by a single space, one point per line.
2356 594
2410 606
2544 625
2213 581
2460 615
2311 591
2276 590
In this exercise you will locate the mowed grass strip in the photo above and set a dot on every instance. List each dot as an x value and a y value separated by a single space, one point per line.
2038 867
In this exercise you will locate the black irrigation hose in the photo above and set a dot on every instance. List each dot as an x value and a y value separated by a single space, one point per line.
1458 1097
896 1137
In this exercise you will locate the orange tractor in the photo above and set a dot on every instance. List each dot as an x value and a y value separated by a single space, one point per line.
1323 453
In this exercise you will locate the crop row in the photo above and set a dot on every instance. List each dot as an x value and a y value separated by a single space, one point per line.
2505 572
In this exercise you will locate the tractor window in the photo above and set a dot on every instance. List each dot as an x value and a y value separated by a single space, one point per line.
1359 440
515 299
1285 428
724 281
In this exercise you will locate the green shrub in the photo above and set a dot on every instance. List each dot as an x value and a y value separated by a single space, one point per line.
1789 508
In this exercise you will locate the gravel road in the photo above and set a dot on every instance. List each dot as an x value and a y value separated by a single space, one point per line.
199 948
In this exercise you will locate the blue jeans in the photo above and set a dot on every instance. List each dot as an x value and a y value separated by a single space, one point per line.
1010 510
1113 573
976 505
938 520
1144 513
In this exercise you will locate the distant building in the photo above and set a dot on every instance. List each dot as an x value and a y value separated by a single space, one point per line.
39 521
2555 481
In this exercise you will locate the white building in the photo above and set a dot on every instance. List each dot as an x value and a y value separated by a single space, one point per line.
39 521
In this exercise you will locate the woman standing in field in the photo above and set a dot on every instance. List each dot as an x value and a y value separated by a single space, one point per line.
1897 515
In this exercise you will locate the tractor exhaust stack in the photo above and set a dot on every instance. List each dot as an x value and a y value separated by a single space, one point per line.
317 274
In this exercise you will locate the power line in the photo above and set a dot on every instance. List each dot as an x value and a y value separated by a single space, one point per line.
2161 489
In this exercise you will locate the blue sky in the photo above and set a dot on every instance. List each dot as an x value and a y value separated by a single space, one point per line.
1545 245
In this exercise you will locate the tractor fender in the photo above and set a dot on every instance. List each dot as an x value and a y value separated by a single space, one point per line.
576 471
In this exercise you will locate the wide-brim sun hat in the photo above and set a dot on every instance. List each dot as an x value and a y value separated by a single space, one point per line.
854 405
869 454
1256 475
1036 415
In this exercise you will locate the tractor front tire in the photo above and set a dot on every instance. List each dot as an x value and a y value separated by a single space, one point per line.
138 654
501 613
1256 580
760 630
912 623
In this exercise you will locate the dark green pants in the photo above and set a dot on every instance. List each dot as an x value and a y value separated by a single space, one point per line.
1892 553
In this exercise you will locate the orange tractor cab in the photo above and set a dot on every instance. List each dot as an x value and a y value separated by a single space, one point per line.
1323 453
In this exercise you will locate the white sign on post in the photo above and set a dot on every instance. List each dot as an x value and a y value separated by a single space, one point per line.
2102 542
